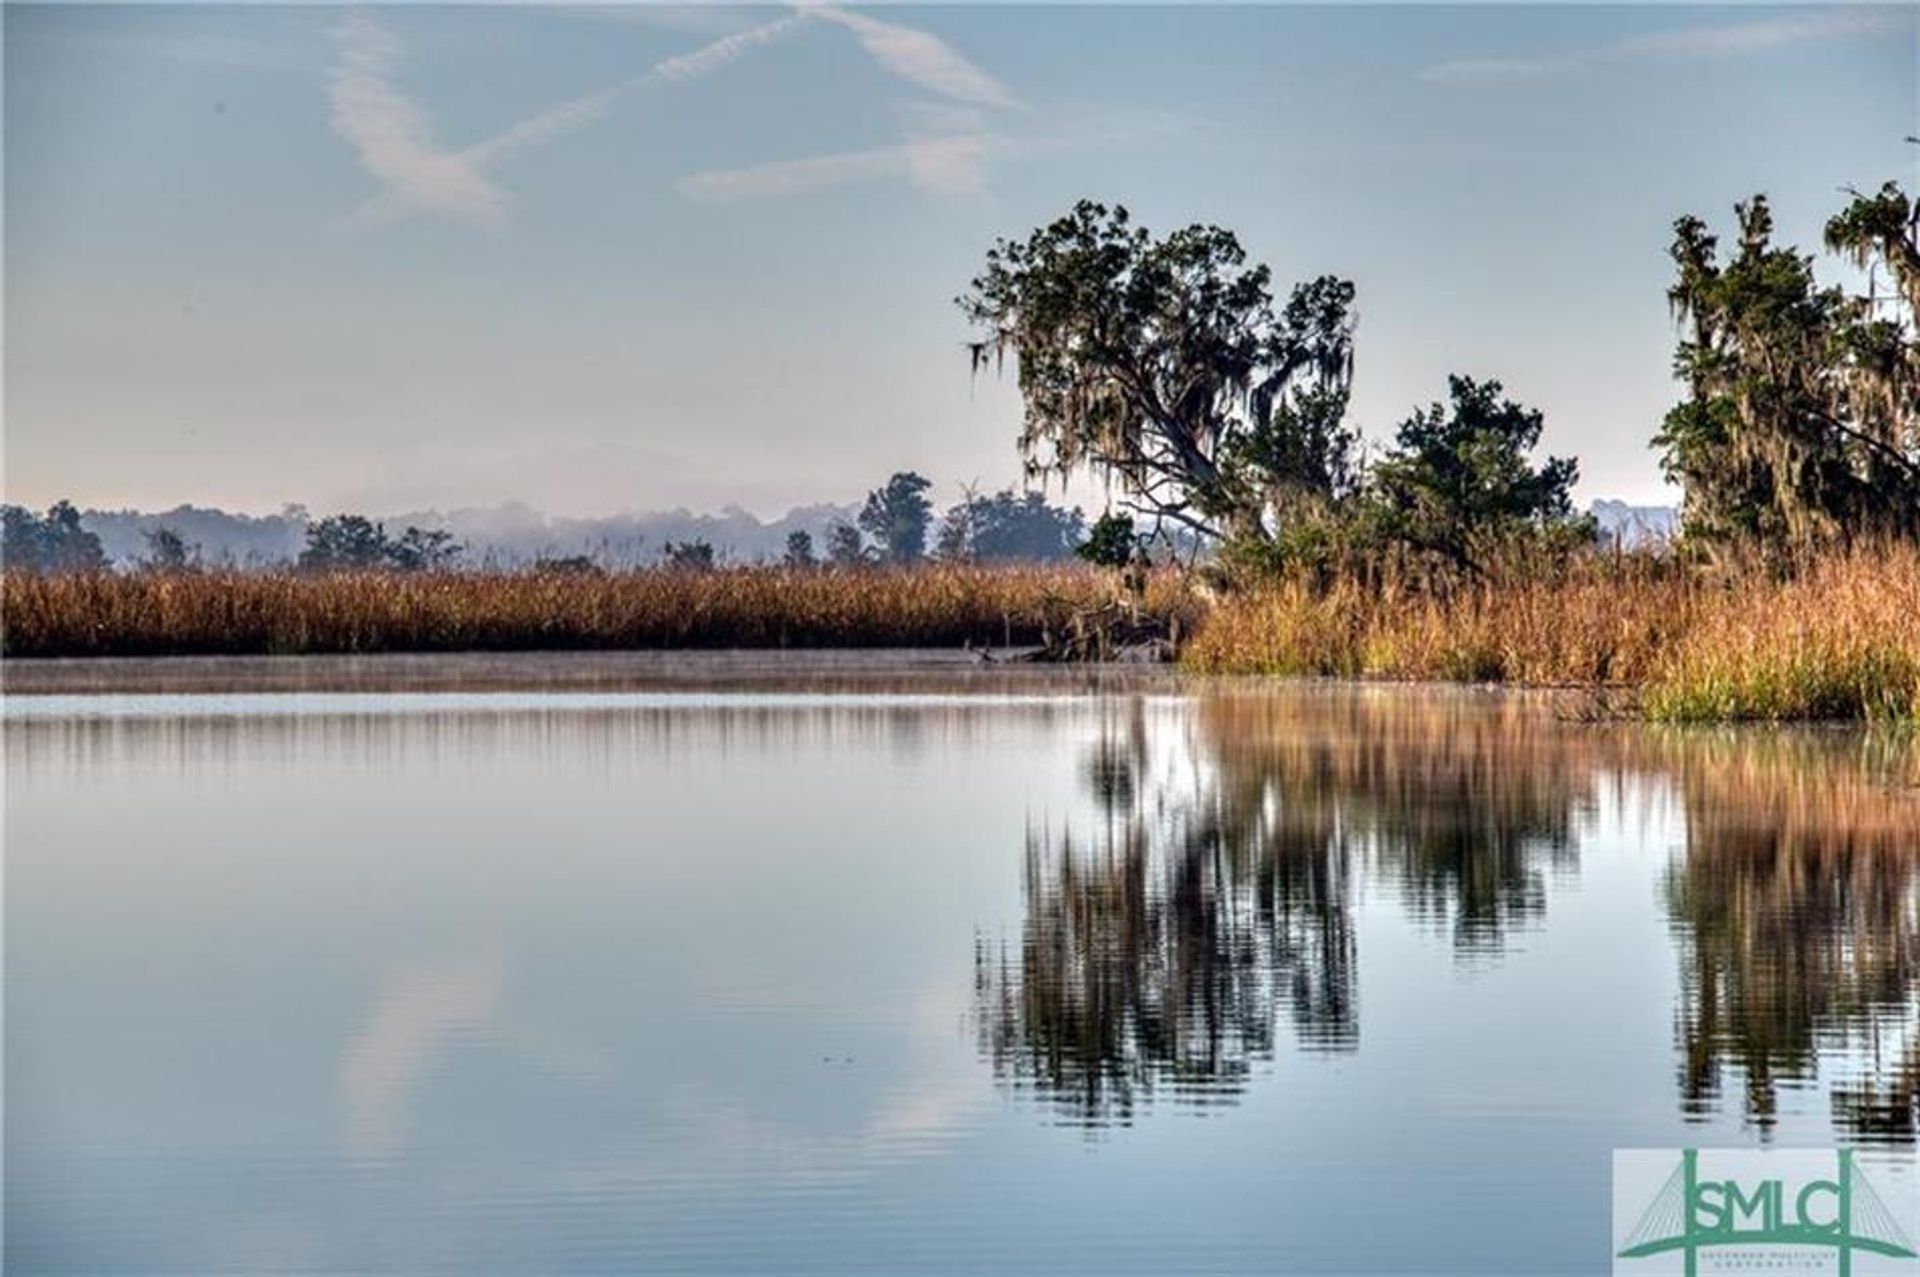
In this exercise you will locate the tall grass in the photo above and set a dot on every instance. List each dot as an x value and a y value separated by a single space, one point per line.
139 614
1839 639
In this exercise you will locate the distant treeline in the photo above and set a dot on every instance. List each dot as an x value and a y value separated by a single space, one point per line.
896 523
1007 526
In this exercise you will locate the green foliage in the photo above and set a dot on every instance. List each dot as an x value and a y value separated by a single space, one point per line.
355 543
168 551
1161 365
1801 428
688 556
800 551
1298 458
345 542
845 549
897 518
1009 527
424 550
1110 542
54 542
1458 482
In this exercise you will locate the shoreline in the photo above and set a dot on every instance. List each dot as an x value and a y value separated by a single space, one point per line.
1638 636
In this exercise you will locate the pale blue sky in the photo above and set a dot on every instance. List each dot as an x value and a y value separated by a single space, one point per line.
615 258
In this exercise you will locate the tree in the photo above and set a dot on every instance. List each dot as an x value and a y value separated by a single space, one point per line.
19 539
897 517
1009 527
844 546
800 551
169 552
1801 426
955 542
1111 541
345 543
1458 480
424 550
55 542
688 556
1160 364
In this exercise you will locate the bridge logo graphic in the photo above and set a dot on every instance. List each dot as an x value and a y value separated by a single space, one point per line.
1690 1211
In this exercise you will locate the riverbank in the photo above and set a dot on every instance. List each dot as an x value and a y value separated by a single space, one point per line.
1838 641
286 613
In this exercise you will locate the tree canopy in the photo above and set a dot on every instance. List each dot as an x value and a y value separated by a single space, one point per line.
1458 480
1009 526
169 552
1161 365
799 553
1801 426
845 548
897 517
55 542
353 542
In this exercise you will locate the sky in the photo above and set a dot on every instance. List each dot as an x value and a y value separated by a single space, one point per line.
608 259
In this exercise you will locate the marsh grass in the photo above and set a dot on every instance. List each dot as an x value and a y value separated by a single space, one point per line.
1838 639
105 614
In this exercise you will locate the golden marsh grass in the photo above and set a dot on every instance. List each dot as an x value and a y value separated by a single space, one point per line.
1839 639
234 613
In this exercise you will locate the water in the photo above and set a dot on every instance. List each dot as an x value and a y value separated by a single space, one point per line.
591 963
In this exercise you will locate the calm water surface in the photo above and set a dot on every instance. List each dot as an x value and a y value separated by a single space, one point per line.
589 963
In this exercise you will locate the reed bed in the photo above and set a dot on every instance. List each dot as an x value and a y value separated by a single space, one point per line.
1839 639
230 613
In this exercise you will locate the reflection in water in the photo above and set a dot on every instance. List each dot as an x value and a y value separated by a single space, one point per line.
626 970
1796 910
417 1014
1211 895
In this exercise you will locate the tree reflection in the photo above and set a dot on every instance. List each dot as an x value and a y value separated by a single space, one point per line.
1167 941
1798 918
1202 909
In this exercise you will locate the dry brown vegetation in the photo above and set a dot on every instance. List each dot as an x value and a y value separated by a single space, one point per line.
1839 639
103 614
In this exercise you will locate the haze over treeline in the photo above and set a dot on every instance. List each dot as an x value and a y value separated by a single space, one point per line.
515 534
508 535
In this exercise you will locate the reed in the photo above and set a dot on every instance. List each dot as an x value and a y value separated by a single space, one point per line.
1838 639
137 614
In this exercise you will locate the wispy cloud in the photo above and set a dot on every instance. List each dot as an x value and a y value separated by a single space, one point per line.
949 143
1724 40
919 57
790 177
389 132
947 146
956 160
568 116
727 49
